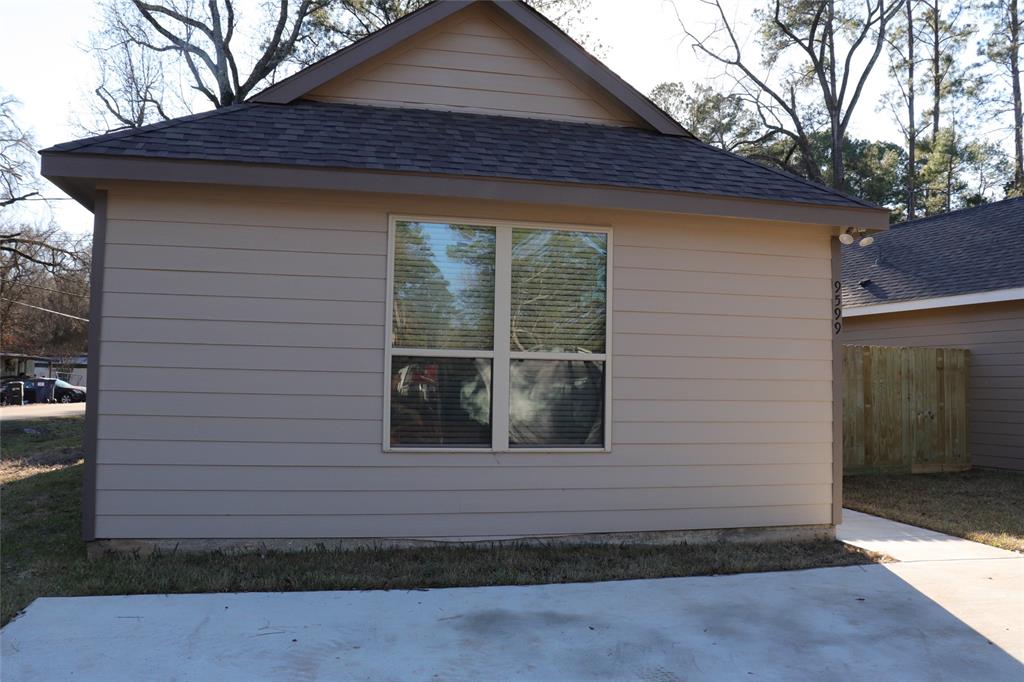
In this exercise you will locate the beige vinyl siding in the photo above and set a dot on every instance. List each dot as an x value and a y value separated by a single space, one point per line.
994 334
242 383
475 62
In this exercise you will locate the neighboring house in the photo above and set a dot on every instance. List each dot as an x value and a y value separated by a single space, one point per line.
954 280
13 365
73 370
535 304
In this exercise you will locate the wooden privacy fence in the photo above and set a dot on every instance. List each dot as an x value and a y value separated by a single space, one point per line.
904 409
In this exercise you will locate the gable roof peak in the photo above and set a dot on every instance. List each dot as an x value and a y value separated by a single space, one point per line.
587 67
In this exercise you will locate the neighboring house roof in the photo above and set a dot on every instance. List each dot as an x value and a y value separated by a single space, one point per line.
353 136
80 360
973 255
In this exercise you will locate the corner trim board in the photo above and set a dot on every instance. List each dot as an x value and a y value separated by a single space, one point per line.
837 382
92 396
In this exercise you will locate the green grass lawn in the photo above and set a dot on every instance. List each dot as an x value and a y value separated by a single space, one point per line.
43 555
981 505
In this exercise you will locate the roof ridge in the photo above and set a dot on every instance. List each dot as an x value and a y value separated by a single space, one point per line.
788 175
128 132
915 221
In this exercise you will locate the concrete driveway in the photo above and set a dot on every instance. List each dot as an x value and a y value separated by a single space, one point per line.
41 411
877 622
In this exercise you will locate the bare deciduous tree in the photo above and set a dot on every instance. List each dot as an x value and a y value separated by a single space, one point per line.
18 180
141 43
823 39
203 40
40 267
132 90
44 291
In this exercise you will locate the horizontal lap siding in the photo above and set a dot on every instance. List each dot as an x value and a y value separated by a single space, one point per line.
994 334
330 455
478 63
242 384
363 501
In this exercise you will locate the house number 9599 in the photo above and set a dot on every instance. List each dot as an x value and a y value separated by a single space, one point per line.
837 306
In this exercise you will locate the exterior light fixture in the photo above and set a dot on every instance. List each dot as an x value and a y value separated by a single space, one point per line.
850 235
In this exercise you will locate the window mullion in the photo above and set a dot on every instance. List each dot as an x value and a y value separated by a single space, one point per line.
441 352
502 323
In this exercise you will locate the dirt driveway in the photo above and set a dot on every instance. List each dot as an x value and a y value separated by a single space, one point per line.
41 411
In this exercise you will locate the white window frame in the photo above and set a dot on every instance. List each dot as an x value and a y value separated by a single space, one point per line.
501 355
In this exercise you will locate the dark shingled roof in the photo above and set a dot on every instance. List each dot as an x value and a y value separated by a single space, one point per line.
963 252
348 136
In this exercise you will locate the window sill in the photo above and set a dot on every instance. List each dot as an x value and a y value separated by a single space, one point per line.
492 451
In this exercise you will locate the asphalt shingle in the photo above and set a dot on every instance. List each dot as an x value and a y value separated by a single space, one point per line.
348 136
963 252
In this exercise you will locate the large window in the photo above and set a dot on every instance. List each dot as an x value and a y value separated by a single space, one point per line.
497 337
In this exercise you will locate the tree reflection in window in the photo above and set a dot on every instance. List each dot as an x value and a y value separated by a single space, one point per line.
558 291
443 286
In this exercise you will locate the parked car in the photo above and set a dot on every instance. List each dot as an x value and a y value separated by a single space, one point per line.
63 392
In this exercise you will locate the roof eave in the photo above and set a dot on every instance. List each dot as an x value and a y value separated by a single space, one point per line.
78 174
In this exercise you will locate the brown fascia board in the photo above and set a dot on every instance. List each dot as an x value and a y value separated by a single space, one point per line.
536 24
591 67
78 173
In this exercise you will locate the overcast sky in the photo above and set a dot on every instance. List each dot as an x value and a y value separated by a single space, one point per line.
45 67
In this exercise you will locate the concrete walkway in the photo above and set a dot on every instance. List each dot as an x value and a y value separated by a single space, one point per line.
981 585
910 543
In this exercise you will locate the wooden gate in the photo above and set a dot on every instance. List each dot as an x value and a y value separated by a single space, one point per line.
904 410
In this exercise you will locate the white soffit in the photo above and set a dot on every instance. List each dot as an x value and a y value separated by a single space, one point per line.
996 296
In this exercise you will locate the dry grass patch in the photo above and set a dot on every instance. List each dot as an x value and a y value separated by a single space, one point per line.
30 447
981 505
43 554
